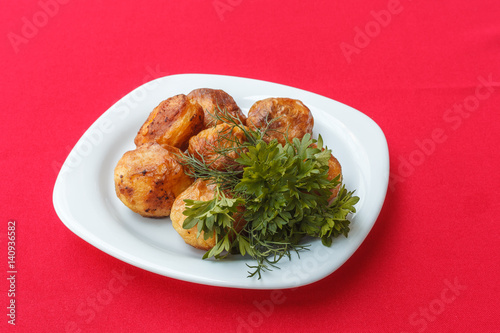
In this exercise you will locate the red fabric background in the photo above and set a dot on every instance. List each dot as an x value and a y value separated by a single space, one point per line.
412 74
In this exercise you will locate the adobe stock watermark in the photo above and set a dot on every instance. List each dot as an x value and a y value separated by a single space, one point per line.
12 250
420 320
31 25
89 308
371 30
453 119
96 135
294 276
223 6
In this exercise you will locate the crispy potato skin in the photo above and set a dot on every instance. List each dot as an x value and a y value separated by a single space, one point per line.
205 144
334 169
200 190
149 178
290 116
212 100
172 122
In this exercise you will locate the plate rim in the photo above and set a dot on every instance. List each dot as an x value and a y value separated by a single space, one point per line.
77 228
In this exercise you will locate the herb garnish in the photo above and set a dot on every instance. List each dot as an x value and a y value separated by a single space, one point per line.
285 192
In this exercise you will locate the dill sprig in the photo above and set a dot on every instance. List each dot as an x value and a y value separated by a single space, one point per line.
197 168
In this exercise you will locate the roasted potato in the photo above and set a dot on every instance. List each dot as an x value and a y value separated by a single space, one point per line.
172 122
213 145
213 101
334 170
284 118
149 178
201 190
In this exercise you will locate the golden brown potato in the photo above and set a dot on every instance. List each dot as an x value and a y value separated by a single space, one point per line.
149 178
285 118
214 100
207 144
201 190
334 169
172 122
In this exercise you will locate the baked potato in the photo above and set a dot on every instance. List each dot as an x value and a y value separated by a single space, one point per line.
213 101
202 190
149 178
172 122
334 170
213 146
284 119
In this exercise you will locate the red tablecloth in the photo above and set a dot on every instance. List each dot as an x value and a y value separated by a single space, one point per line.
428 72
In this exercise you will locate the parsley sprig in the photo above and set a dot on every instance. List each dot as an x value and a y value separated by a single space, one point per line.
285 192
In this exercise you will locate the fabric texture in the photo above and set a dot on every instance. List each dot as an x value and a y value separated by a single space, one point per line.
428 72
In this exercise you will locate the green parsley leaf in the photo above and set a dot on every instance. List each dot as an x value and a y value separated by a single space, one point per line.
285 191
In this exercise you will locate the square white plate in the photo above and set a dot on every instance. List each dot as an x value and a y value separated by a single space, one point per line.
85 199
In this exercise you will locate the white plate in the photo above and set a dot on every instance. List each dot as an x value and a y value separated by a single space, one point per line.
85 200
